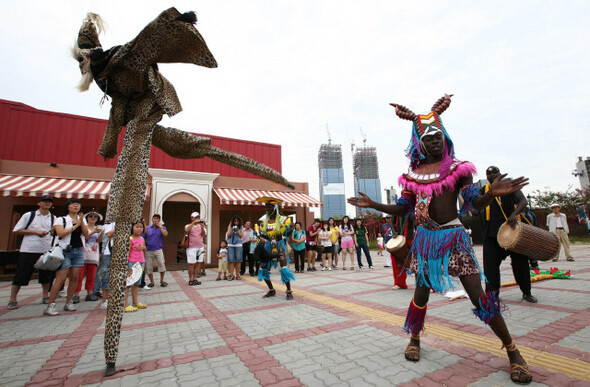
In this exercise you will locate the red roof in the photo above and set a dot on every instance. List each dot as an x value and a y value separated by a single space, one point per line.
29 134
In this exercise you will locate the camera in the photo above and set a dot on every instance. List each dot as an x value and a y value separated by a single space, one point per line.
200 222
235 227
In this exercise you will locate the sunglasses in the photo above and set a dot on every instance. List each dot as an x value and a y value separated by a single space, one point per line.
93 216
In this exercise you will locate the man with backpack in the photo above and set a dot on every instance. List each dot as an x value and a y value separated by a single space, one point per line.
35 226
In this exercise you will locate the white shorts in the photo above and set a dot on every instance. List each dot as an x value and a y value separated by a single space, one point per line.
195 254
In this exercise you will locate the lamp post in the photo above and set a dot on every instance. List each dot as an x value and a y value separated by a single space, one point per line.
530 200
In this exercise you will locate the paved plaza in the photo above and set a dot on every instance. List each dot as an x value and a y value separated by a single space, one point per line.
344 328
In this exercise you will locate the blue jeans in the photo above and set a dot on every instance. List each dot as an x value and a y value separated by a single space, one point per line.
365 248
234 253
73 258
105 272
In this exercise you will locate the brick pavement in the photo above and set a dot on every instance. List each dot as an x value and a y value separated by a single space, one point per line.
342 329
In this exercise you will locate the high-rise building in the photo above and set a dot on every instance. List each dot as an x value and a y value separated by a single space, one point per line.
582 172
332 193
366 174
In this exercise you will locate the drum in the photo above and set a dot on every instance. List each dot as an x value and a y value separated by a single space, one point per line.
399 248
534 242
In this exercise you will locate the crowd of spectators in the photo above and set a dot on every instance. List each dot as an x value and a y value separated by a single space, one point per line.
87 248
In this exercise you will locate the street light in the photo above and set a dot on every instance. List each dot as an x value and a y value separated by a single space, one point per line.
530 200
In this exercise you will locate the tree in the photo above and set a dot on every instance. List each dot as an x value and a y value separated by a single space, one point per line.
567 200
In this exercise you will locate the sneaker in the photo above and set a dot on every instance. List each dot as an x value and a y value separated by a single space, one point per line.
330 269
76 299
129 309
361 267
62 294
91 297
104 304
146 287
69 307
371 267
571 260
151 285
324 269
218 278
139 305
50 310
309 269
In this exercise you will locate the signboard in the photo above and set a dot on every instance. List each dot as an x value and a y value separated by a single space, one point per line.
334 189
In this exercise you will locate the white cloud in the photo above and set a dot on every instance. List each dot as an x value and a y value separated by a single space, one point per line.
518 71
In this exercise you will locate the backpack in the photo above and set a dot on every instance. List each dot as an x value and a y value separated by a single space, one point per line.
32 216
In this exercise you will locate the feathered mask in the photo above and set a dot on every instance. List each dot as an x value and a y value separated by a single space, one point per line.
426 125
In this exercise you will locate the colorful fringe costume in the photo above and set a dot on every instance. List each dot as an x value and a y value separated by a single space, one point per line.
275 249
438 251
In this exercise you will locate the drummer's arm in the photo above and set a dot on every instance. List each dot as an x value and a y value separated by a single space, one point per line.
521 204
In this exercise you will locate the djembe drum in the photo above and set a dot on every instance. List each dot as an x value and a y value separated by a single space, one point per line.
534 242
399 248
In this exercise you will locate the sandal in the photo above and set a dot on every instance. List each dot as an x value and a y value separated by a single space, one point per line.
343 268
517 370
352 268
412 350
12 305
238 277
230 278
270 293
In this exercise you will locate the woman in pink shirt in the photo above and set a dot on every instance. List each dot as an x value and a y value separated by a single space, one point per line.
136 255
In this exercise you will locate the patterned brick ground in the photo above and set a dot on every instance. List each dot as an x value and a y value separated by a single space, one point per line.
224 333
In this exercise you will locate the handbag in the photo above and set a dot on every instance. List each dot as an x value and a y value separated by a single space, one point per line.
184 242
53 258
50 260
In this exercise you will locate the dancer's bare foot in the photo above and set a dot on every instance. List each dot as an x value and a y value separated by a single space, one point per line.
412 352
519 370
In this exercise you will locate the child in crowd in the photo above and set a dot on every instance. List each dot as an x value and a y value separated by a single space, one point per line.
222 260
380 244
136 254
325 240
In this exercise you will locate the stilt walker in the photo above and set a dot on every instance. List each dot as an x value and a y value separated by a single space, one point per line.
140 97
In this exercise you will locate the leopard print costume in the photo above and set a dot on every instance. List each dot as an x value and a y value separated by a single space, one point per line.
140 97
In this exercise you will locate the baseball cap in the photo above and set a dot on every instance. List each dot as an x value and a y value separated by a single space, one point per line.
45 198
554 205
195 214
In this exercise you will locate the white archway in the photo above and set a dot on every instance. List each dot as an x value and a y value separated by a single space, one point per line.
166 183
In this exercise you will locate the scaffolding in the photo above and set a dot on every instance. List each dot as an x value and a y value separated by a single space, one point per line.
330 157
364 163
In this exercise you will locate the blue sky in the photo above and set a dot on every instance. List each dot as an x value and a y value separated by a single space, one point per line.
518 70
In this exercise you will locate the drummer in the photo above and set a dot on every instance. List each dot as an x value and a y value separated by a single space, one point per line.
441 248
499 211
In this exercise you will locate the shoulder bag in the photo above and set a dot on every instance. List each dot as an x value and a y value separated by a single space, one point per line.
53 258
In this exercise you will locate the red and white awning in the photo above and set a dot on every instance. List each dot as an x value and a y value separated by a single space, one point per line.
247 197
68 188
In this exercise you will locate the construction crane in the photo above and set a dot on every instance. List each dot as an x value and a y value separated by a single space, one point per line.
364 136
329 136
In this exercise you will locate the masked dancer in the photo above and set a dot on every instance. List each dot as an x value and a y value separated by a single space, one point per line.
441 247
272 246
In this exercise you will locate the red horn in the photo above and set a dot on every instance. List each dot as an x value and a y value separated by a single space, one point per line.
442 104
403 112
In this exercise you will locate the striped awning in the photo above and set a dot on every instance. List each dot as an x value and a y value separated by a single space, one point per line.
68 188
247 197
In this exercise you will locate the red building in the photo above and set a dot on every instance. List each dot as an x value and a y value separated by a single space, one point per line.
44 152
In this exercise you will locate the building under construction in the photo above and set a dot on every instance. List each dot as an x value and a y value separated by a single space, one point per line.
332 193
366 174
